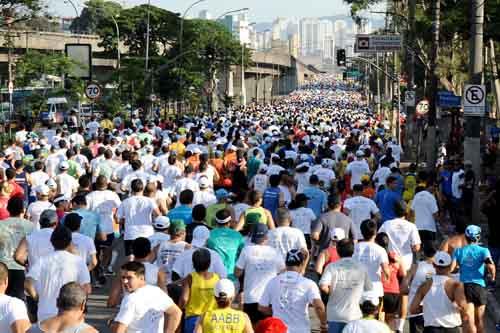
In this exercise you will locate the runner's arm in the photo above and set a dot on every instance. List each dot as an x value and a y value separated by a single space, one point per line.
186 291
319 308
21 254
174 315
114 294
320 262
415 307
248 325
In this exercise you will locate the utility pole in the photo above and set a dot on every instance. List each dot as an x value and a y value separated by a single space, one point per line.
410 110
377 76
496 81
433 89
473 124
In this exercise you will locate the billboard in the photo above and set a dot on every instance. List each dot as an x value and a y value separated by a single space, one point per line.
81 54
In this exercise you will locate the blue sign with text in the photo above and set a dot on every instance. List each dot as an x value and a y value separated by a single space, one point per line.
446 99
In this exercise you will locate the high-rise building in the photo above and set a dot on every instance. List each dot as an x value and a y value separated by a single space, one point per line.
309 36
204 15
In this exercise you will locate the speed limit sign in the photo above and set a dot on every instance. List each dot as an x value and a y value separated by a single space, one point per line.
93 91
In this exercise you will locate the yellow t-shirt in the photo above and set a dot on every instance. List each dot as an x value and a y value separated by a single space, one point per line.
224 321
202 297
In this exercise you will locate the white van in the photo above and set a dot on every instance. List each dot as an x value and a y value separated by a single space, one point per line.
57 108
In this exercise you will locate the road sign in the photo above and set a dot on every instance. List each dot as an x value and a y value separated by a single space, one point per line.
152 98
93 91
447 99
474 100
410 98
423 107
377 43
11 87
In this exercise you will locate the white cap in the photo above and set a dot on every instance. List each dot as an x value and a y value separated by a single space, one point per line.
337 234
200 236
61 198
369 296
64 165
203 182
224 288
442 259
42 190
196 150
51 183
161 222
360 153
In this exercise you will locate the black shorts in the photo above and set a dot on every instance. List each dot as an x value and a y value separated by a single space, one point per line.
99 244
128 247
252 310
392 303
16 284
475 294
432 329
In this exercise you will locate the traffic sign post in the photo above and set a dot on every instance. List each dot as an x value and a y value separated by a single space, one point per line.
474 100
93 91
422 107
377 43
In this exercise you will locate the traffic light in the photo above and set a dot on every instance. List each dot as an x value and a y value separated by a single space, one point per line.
341 57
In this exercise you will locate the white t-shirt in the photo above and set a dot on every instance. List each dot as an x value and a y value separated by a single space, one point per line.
366 325
347 280
38 178
302 218
380 176
372 256
357 169
50 273
84 245
168 252
424 205
205 198
157 238
143 311
290 295
260 182
402 236
104 203
285 239
39 245
183 265
137 212
360 209
11 310
261 263
35 209
325 175
274 169
302 179
238 209
67 184
92 127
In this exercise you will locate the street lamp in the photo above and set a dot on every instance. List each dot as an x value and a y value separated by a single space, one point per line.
117 27
146 65
232 12
243 87
76 17
181 32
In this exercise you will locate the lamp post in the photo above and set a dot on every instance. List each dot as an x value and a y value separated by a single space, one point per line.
243 86
232 12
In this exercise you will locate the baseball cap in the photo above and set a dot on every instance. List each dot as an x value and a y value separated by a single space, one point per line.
337 234
161 223
271 325
369 296
42 190
442 259
294 257
259 232
221 194
196 150
176 226
468 162
360 153
64 165
200 236
473 232
224 289
203 182
51 183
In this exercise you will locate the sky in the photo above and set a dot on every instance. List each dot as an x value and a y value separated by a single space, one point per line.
260 10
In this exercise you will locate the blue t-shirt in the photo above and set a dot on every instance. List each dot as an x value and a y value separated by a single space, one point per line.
446 182
91 222
182 212
271 200
317 199
471 260
385 200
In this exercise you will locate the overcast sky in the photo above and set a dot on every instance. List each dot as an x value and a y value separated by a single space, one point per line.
260 10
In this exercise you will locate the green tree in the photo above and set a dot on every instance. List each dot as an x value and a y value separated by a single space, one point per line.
34 65
95 16
15 11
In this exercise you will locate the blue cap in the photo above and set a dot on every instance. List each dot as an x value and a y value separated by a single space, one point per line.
259 232
473 232
221 194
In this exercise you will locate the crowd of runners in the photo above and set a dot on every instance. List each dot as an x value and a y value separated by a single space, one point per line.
253 220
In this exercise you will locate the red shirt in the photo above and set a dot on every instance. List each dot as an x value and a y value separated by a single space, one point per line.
333 256
391 285
17 191
4 213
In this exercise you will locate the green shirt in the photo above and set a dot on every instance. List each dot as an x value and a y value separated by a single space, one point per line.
228 244
12 230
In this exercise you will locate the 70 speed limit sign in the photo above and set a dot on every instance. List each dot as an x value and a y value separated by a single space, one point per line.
93 91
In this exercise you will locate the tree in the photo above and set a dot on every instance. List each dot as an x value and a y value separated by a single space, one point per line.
95 16
15 11
35 65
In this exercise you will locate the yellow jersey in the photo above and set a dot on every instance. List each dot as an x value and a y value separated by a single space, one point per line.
202 297
224 321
